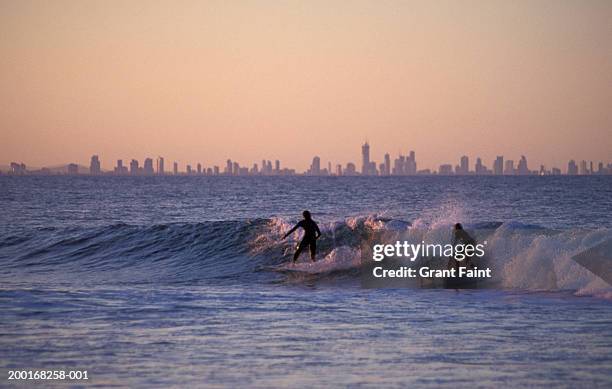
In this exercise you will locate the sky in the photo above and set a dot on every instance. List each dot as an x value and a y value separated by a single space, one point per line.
203 81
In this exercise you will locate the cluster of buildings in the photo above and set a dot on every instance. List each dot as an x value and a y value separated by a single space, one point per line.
508 168
406 165
403 165
232 168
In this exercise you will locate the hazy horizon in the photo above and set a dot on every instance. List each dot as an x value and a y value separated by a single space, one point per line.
204 81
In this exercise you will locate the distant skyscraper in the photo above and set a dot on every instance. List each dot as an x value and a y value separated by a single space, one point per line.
188 168
175 168
543 171
199 168
398 166
479 168
411 165
387 164
572 168
465 165
350 170
134 167
522 166
148 167
583 168
277 166
509 168
216 170
18 168
365 159
160 166
498 166
228 167
315 167
372 170
120 169
94 165
235 168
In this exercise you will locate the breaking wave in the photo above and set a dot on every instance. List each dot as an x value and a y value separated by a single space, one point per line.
524 257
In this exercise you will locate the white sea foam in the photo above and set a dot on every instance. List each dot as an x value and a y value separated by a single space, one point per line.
522 257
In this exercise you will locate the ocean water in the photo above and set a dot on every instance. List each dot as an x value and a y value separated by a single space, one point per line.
170 281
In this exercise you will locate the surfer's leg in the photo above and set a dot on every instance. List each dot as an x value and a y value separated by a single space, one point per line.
313 250
298 251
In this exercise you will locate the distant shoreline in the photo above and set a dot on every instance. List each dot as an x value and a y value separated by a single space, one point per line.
106 175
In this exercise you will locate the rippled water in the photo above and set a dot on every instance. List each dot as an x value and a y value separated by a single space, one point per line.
149 281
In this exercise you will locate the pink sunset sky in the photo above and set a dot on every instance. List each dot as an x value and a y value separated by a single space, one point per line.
203 81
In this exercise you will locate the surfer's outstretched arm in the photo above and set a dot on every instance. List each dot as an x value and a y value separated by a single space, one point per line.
291 231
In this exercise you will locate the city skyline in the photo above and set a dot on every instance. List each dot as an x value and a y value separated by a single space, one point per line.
402 165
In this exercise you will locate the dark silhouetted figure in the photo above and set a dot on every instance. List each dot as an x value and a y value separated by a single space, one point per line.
311 234
461 237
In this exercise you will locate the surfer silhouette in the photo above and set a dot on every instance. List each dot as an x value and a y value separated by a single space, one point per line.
311 234
461 237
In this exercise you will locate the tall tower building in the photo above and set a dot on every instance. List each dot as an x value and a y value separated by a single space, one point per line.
387 164
160 166
315 168
498 166
94 165
134 167
465 165
572 168
509 168
120 169
175 168
365 159
478 168
522 168
148 167
583 168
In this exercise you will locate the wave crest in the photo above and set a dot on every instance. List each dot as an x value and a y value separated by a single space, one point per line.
523 257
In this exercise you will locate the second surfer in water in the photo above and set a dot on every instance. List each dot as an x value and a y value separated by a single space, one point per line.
311 234
461 237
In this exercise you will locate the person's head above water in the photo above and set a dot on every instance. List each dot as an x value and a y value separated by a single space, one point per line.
306 215
458 226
